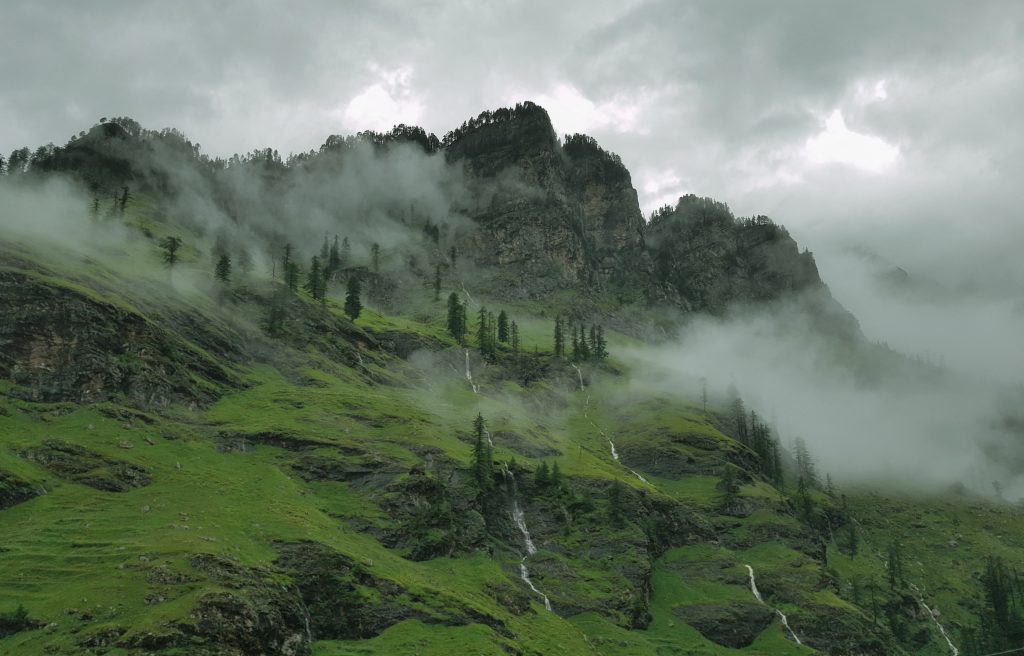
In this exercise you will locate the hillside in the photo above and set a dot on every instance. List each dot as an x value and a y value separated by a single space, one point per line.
194 466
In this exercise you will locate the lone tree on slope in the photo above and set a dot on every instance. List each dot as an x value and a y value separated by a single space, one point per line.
353 306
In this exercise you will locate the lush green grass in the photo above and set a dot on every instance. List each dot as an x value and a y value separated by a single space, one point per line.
95 552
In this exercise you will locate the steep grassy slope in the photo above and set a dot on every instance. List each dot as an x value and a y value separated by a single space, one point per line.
312 493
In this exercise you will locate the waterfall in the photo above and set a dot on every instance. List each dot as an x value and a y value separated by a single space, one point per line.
935 619
520 521
525 575
490 441
782 616
615 455
580 374
469 375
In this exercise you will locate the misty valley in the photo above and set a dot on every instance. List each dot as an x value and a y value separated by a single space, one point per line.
410 394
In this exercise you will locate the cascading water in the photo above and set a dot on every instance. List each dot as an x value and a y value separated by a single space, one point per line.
490 441
580 374
782 616
520 521
525 575
469 375
934 617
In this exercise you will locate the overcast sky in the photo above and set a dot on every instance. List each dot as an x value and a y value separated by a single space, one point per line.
871 121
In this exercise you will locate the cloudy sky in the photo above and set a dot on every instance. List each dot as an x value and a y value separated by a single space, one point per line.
867 121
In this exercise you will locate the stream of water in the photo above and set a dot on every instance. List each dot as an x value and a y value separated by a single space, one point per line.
520 521
782 616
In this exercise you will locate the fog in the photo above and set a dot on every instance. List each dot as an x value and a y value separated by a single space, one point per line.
869 415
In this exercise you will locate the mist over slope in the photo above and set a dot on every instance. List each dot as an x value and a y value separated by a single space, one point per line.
405 394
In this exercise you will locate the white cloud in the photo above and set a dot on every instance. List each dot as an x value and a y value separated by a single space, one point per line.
572 112
837 143
385 103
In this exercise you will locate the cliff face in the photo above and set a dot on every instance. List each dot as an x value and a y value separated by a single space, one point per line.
558 214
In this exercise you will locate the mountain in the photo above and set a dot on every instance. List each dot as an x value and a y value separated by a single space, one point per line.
202 465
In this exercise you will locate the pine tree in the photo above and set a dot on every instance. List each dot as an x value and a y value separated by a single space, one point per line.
503 335
804 463
852 539
437 282
728 487
602 346
222 271
94 211
556 476
314 280
616 504
375 257
542 476
286 260
584 347
804 502
483 331
333 258
353 305
325 250
170 246
453 255
456 318
574 353
291 276
516 344
346 253
483 456
559 337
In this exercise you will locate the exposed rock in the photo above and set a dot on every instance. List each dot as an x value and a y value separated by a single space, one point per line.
80 465
14 491
735 624
59 344
841 631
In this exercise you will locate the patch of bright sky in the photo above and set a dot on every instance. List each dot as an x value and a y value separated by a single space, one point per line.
386 102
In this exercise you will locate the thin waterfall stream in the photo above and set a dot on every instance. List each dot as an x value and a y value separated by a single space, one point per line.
782 616
520 521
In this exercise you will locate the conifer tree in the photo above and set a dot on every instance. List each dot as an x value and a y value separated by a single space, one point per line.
170 246
375 257
291 276
503 335
314 280
325 250
602 346
453 255
222 271
542 476
556 475
286 260
483 331
346 252
852 539
559 337
333 258
456 318
483 456
516 344
584 347
728 487
574 353
437 282
353 305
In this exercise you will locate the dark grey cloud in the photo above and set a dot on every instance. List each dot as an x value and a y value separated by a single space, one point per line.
717 98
